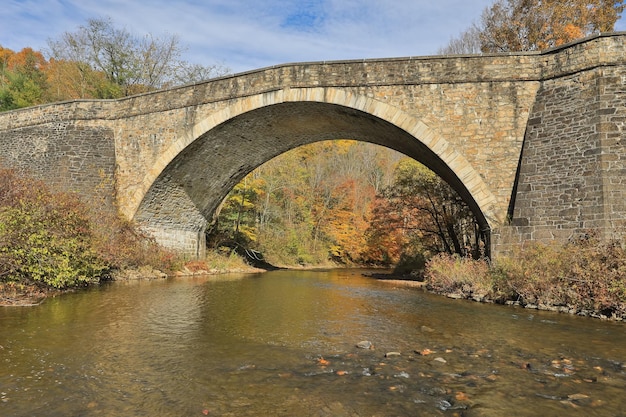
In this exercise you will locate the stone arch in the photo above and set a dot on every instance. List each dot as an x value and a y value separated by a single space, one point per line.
389 127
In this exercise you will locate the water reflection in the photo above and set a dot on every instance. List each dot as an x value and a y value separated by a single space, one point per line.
284 343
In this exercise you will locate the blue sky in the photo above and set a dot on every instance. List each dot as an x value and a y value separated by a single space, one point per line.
249 34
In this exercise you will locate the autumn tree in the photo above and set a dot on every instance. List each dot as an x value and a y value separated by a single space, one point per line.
71 80
420 214
530 25
22 78
349 202
313 203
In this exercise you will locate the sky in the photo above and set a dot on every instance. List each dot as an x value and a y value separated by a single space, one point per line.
244 35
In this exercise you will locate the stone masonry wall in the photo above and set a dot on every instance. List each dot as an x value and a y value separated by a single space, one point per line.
572 175
612 136
63 146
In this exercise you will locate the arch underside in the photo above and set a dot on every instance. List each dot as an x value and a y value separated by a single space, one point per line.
190 188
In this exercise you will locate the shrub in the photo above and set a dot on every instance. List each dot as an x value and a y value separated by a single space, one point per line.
596 275
532 273
585 276
45 237
56 240
455 274
123 246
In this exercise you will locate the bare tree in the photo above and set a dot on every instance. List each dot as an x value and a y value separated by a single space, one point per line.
187 73
129 63
468 42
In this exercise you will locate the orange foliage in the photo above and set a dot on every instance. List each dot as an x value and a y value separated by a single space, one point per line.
5 55
519 25
349 220
27 59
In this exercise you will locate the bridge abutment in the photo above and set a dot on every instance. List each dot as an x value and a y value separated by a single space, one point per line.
572 172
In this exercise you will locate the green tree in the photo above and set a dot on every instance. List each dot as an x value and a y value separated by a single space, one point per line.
22 78
238 214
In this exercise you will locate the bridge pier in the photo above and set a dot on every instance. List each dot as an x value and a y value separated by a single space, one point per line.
171 217
190 243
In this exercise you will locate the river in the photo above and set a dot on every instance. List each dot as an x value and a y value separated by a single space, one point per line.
284 343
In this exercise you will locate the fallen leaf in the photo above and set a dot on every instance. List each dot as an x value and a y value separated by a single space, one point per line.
461 396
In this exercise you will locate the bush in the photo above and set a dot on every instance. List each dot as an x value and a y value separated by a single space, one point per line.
55 240
450 274
586 276
532 273
122 245
45 237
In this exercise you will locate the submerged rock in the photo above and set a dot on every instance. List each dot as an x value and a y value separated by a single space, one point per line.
365 344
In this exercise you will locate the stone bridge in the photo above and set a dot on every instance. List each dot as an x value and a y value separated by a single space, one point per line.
534 142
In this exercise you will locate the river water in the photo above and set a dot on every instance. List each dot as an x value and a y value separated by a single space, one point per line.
284 343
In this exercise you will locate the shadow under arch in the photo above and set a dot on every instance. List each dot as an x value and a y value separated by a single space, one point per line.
189 180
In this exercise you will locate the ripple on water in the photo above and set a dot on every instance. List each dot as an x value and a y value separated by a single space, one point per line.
284 343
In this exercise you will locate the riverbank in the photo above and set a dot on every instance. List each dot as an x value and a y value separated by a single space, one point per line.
608 314
586 277
19 295
13 294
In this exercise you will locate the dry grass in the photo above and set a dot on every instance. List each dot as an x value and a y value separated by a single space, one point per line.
586 277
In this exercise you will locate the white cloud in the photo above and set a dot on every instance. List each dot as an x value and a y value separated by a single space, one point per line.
245 35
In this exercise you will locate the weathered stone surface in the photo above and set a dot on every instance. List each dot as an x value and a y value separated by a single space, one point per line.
168 158
571 175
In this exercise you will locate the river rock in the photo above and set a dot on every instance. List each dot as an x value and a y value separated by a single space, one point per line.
365 344
455 295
